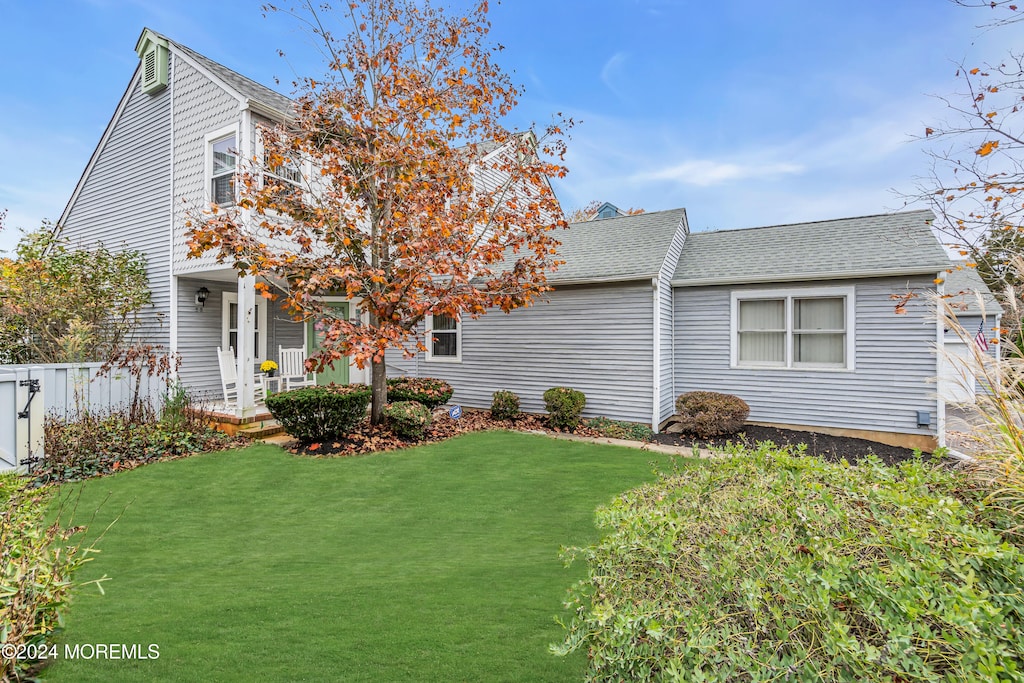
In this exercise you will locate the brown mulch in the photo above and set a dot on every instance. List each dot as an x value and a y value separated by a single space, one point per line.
826 446
369 439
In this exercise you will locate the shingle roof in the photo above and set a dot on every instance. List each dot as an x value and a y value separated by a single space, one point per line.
963 287
624 248
887 244
246 87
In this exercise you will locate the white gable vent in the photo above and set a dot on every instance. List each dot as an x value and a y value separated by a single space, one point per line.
152 50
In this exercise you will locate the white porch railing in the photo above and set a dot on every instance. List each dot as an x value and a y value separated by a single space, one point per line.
28 393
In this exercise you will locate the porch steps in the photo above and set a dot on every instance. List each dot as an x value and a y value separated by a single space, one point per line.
260 429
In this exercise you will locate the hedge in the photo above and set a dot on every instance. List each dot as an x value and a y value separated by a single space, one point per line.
313 414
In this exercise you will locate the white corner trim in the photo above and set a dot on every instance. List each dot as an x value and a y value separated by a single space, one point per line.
940 349
172 278
656 365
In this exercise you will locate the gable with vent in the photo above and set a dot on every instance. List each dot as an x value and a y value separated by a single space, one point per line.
152 51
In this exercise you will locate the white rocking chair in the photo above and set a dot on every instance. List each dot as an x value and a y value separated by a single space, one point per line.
229 378
293 368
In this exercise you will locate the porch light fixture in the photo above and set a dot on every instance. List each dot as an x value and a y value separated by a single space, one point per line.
201 295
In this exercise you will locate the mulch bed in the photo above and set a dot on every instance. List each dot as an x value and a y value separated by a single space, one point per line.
826 446
369 439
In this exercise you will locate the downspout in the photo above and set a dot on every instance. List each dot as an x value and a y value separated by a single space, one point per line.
656 365
173 284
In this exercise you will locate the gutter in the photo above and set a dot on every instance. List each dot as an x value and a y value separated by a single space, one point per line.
798 277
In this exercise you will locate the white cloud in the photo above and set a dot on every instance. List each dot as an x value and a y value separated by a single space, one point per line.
706 172
612 71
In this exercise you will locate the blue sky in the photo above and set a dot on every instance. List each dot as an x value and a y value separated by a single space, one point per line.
745 112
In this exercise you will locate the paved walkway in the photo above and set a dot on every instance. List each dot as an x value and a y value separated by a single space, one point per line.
283 440
961 422
629 443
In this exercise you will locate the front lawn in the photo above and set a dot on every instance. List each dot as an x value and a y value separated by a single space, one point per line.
437 563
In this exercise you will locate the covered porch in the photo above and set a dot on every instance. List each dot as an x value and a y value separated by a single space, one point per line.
215 309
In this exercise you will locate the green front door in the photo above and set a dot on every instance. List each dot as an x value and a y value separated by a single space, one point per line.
331 375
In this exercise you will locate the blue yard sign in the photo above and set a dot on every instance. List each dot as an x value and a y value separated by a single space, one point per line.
455 412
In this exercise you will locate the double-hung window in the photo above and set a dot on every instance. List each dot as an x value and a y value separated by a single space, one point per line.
223 164
444 338
288 171
799 328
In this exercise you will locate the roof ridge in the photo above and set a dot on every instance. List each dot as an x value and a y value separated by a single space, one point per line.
828 220
632 215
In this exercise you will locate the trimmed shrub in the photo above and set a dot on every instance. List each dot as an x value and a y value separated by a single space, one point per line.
407 419
429 391
314 414
564 406
770 566
504 405
37 561
708 413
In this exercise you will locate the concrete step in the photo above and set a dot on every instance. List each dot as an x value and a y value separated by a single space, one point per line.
261 429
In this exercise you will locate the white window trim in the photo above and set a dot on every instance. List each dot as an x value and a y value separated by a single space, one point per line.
225 322
848 293
457 358
208 140
305 167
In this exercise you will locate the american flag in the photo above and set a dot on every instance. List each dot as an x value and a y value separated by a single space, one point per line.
980 339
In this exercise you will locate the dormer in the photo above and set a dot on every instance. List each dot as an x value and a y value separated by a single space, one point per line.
608 210
152 50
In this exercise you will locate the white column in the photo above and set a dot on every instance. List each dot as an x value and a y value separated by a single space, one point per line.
246 346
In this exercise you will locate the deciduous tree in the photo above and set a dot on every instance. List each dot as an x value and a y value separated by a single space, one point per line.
416 198
975 184
59 304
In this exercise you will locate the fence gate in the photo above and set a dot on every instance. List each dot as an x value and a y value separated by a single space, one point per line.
21 417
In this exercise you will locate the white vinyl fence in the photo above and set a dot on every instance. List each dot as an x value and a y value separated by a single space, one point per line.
28 393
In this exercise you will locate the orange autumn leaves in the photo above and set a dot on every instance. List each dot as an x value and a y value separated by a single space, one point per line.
414 198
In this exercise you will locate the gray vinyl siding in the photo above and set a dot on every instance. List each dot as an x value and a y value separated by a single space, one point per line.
201 332
595 339
200 108
895 362
124 199
666 329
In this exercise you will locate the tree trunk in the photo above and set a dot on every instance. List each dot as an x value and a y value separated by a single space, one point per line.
379 384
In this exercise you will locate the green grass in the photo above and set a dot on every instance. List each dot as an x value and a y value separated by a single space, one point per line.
437 563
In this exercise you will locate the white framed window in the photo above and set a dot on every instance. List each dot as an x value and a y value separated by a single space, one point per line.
221 166
806 328
290 171
444 338
229 325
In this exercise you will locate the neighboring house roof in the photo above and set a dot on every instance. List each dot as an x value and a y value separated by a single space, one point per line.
964 285
867 246
242 87
617 249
